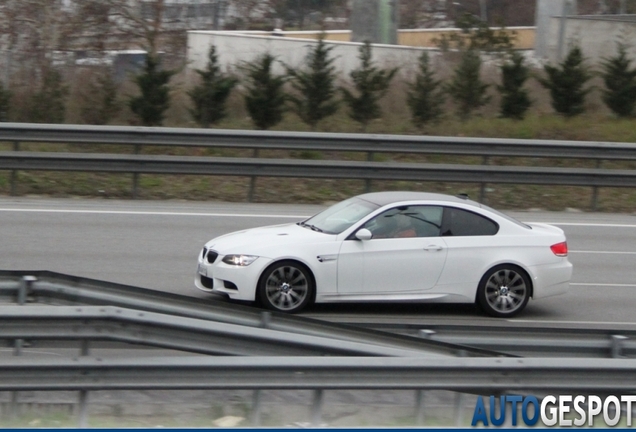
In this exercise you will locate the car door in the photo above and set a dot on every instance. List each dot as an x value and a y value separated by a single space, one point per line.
405 255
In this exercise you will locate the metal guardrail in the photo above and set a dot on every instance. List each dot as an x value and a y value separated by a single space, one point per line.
382 361
54 288
524 341
108 323
248 167
159 136
368 171
469 375
176 323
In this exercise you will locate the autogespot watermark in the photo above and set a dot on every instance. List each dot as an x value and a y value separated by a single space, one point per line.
561 410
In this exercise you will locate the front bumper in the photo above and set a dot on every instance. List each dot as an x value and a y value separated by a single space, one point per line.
237 282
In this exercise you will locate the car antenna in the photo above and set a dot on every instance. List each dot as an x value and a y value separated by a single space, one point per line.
462 196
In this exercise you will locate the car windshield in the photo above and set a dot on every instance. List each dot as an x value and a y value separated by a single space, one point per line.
339 217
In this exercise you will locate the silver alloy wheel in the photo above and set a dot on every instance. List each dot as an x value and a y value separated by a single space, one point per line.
506 291
287 288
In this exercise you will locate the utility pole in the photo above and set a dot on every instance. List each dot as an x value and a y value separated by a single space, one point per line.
483 10
564 13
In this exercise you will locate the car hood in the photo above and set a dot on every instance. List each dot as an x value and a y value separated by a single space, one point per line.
257 241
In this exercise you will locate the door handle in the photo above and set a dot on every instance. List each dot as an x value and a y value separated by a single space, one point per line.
433 248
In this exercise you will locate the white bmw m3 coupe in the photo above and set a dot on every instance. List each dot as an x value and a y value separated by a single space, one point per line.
391 247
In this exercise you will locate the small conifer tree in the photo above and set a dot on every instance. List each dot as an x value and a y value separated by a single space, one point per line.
99 104
48 103
566 84
371 84
514 98
265 97
5 103
315 86
620 83
209 97
466 87
154 99
426 95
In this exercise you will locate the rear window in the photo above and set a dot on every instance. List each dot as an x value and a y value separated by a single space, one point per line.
459 222
505 216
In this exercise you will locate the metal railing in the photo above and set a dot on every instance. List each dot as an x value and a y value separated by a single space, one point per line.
159 330
517 339
46 287
137 164
251 350
343 142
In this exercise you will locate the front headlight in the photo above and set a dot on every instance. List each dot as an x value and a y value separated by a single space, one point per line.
239 260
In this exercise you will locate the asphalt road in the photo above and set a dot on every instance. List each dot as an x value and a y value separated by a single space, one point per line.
154 245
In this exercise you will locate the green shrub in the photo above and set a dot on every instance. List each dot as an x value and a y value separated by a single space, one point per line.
209 97
265 97
566 83
514 98
371 84
315 86
620 83
426 96
154 100
466 87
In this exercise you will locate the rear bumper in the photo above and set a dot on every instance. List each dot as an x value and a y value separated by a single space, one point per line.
551 279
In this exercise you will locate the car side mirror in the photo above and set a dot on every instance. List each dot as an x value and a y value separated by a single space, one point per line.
364 234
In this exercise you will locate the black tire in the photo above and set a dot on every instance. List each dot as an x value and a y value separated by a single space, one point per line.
504 291
286 286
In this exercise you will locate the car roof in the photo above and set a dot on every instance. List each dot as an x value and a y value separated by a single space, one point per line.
384 198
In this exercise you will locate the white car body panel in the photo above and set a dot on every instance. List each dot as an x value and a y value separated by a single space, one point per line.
442 269
370 267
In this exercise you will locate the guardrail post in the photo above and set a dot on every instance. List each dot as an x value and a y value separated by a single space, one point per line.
594 204
266 319
482 188
617 345
82 416
425 333
14 173
256 408
459 399
250 191
367 182
316 407
135 186
420 396
23 289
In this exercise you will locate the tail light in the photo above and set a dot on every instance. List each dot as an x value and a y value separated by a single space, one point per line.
560 249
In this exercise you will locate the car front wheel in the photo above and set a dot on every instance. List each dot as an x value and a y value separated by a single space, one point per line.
286 286
504 291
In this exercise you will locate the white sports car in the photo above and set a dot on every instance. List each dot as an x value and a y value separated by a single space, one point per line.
391 247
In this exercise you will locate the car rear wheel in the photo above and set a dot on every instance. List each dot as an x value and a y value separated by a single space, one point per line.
504 291
286 286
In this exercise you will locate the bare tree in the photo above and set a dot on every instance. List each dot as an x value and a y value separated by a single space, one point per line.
245 10
33 29
34 33
140 20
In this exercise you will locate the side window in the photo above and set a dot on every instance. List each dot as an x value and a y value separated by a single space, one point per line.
407 221
459 222
426 220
